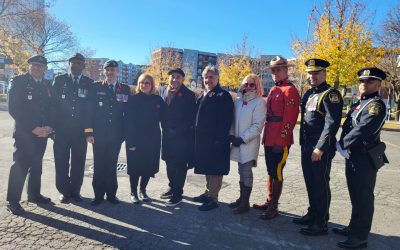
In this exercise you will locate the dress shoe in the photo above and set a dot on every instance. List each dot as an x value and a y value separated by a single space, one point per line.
263 206
314 230
271 212
77 197
113 200
134 198
15 208
39 199
209 205
306 220
167 194
352 243
345 231
143 196
96 201
203 198
64 199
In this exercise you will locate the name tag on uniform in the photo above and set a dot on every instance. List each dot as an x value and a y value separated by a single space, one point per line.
29 97
312 103
82 93
100 104
62 96
122 98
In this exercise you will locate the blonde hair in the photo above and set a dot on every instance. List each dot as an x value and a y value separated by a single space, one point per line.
143 77
257 81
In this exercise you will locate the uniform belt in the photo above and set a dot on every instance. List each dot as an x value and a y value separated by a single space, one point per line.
274 118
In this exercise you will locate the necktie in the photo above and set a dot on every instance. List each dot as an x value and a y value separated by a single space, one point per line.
112 87
75 80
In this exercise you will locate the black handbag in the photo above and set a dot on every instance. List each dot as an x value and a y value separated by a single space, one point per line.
377 155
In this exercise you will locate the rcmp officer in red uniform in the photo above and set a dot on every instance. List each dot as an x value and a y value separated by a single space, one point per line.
282 111
364 152
70 92
321 112
29 106
104 129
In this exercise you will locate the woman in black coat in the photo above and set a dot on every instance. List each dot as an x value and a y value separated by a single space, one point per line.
143 135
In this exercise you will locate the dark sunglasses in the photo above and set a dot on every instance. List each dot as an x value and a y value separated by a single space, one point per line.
251 85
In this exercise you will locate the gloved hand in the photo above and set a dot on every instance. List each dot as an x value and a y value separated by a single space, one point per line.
237 141
277 149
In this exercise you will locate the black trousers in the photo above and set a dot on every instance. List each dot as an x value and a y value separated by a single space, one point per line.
176 172
134 180
105 154
28 158
317 176
276 162
70 145
361 178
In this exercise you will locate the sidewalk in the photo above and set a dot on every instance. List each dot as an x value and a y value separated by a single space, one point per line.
154 226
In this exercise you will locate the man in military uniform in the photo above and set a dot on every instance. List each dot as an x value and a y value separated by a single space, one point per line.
29 106
70 92
321 113
361 145
104 129
282 111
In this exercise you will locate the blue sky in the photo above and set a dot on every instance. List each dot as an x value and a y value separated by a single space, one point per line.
129 29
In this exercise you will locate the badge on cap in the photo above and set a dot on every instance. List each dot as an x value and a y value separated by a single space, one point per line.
311 63
366 72
29 97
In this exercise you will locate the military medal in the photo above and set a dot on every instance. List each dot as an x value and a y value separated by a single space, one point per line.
29 97
62 96
100 104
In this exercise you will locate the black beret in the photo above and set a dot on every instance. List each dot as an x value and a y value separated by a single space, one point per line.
371 72
77 56
110 63
176 70
316 64
38 59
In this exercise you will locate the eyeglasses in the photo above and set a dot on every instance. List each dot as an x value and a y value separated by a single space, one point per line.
145 83
250 85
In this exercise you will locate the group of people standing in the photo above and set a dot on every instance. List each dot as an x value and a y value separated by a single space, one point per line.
204 132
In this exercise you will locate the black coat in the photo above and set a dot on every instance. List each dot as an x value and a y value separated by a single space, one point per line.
69 102
29 104
105 112
142 123
213 122
178 133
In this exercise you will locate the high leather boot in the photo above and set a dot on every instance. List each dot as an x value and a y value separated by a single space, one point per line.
244 205
236 203
265 205
272 210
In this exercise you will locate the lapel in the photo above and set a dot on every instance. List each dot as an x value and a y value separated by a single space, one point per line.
177 96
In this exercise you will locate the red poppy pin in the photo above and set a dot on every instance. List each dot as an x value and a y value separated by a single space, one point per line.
157 106
180 94
244 103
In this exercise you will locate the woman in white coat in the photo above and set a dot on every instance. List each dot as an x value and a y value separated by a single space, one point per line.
250 113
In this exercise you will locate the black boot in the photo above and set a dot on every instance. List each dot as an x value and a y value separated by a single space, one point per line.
236 203
244 205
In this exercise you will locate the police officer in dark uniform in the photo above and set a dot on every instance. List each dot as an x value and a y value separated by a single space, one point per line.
104 129
29 106
321 112
364 152
70 92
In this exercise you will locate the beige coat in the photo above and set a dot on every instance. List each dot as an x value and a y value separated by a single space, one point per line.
248 124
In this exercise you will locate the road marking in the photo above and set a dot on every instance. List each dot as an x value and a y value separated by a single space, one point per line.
391 144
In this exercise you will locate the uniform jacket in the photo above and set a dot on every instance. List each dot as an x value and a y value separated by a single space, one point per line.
282 112
178 133
321 113
363 123
249 119
69 102
105 111
213 121
143 117
29 105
